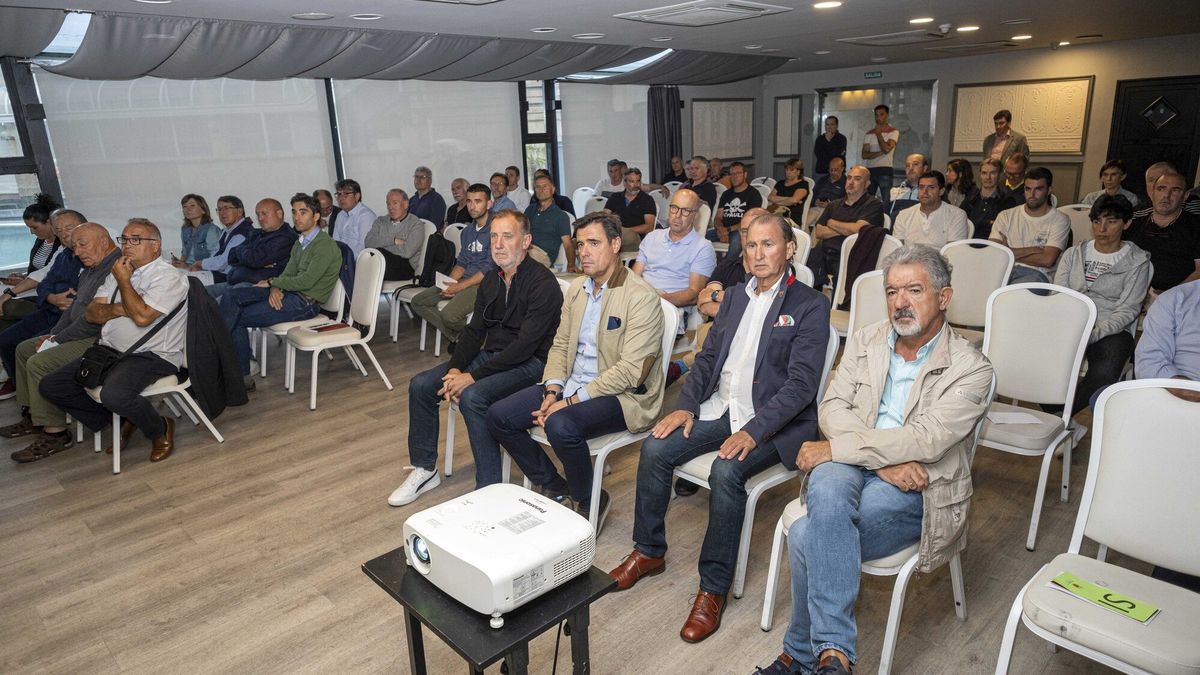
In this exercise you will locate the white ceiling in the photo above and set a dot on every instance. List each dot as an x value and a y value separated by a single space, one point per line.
797 33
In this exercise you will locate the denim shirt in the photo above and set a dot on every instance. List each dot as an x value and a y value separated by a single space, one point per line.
199 242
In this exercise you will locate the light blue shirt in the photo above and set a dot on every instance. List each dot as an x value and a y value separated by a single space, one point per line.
219 262
306 239
586 365
352 227
501 204
900 379
1170 343
669 264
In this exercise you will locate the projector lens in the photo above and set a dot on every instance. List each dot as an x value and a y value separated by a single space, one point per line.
420 550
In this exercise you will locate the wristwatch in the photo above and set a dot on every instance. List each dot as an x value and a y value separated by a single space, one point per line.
9 293
714 295
558 393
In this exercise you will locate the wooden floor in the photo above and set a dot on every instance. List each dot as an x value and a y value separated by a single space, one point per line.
245 556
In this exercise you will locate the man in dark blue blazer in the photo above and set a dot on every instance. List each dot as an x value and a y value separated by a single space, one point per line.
751 396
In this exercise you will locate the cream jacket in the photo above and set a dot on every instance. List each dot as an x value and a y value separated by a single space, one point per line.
947 399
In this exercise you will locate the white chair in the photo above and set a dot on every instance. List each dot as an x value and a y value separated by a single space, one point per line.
453 234
390 288
803 248
601 447
579 199
764 191
698 469
900 565
1081 222
868 302
704 216
672 186
803 274
335 305
840 318
1140 498
594 203
764 180
720 190
979 267
1036 344
808 199
662 206
364 311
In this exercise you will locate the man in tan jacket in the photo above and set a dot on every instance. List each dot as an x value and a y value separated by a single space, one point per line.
896 468
603 374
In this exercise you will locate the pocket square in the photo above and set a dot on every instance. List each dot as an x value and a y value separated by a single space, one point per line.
614 322
784 320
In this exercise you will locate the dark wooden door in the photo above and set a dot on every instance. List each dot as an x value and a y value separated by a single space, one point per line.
1155 120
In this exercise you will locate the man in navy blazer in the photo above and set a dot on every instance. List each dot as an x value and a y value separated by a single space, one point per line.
751 396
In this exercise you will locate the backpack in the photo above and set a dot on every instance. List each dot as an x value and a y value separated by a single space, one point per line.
439 257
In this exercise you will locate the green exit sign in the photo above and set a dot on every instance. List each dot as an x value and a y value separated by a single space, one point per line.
872 74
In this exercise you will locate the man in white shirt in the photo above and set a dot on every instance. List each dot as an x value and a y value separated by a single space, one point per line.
516 191
615 183
355 220
877 152
1035 231
931 221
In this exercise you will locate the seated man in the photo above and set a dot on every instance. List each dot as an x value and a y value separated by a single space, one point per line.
265 252
840 219
1014 175
636 210
1035 231
516 191
549 225
500 200
832 185
502 350
425 202
905 195
899 417
297 293
457 212
474 260
717 172
614 184
751 396
931 221
143 291
399 237
698 181
603 373
729 272
731 206
1169 234
561 201
64 342
677 261
355 219
235 227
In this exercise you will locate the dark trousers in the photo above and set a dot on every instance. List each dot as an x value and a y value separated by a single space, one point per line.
122 393
1106 358
34 324
567 430
823 260
396 267
248 307
883 178
726 506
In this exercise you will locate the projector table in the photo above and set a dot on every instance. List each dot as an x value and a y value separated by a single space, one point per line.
467 631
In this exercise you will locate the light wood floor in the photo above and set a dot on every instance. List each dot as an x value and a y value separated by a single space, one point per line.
245 556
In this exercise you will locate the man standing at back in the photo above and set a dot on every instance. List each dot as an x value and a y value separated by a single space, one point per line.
1006 141
425 202
877 150
1035 231
354 222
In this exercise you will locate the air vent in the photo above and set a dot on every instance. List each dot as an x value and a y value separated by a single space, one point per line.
703 13
973 47
569 567
465 2
908 37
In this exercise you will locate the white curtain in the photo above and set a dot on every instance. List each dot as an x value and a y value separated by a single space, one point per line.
602 122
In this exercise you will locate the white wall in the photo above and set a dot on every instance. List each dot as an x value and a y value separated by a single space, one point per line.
601 122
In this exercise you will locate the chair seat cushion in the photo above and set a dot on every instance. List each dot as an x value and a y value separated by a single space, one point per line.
1167 645
161 385
393 286
303 337
611 441
700 468
408 294
1027 436
840 320
796 509
975 337
284 327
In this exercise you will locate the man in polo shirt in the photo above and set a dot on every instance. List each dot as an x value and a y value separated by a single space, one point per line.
1014 175
931 221
1035 231
878 149
636 210
1169 234
732 206
425 202
474 261
677 261
516 191
141 292
500 199
840 219
549 225
399 237
614 184
698 181
1007 141
355 220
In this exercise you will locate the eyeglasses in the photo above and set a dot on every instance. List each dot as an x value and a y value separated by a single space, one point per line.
136 241
222 209
680 210
345 193
421 176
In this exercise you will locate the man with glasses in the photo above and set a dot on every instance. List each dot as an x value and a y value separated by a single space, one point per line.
237 226
500 200
732 206
425 202
677 261
356 219
329 212
636 210
143 290
501 351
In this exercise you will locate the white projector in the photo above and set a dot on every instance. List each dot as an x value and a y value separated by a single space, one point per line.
498 547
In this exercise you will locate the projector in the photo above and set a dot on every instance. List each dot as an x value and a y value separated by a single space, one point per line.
498 547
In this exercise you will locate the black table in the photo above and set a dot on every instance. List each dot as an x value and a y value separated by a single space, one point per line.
468 632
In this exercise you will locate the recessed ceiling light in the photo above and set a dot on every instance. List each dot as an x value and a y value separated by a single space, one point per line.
1089 36
827 5
771 50
661 38
155 2
157 36
1016 22
967 29
312 16
754 46
879 59
589 36
366 17
1021 37
543 29
1064 43
922 19
822 52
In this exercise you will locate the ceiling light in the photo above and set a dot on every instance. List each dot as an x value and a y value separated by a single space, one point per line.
366 17
879 59
589 36
923 19
967 29
1089 36
1064 43
1016 22
754 46
312 16
771 50
155 2
1017 38
543 29
661 38
827 5
822 52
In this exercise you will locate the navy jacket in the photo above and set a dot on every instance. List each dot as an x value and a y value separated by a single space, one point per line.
787 370
262 256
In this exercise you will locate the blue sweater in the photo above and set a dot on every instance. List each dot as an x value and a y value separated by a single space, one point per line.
262 256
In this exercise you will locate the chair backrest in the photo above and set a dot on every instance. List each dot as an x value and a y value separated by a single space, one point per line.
1036 342
579 199
453 234
670 331
979 423
1081 223
887 222
831 350
563 284
868 303
430 228
803 247
661 206
368 283
762 190
979 267
760 180
594 203
1139 496
890 244
672 186
720 190
703 219
336 303
808 199
803 274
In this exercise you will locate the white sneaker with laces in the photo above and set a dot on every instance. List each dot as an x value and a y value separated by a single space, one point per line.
418 482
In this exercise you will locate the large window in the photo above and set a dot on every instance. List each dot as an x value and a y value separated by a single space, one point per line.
911 106
602 122
540 127
21 140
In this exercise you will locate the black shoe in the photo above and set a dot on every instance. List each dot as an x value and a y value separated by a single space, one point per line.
830 665
685 488
784 665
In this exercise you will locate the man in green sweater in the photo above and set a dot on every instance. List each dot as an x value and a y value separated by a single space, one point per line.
306 282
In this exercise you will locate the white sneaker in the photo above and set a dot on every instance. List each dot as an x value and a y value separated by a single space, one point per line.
419 482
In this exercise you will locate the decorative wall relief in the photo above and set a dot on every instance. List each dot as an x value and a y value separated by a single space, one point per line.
1053 114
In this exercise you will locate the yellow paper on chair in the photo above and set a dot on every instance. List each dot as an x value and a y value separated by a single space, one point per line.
1105 597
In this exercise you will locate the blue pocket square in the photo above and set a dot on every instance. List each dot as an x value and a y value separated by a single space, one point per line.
614 323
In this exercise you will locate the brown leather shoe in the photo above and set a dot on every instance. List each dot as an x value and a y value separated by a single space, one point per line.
163 445
127 430
705 618
634 567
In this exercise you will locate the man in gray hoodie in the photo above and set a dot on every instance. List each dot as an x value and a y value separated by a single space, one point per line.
399 236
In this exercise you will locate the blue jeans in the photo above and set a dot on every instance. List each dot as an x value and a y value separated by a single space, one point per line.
735 240
35 324
567 430
247 307
474 402
726 506
853 515
1022 274
883 178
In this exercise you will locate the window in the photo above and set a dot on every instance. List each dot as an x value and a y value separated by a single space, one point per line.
539 129
911 112
21 141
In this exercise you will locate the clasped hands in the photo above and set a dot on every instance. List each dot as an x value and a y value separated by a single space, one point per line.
909 476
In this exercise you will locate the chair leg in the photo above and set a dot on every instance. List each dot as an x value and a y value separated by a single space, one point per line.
897 608
371 355
190 402
312 393
424 325
1066 471
289 374
78 432
116 434
450 419
354 361
262 355
437 342
393 318
768 610
1038 499
1010 633
957 586
505 466
739 571
171 407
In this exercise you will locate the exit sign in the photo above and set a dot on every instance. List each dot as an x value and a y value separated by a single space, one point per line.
872 74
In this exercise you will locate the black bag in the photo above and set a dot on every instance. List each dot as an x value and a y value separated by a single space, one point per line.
439 257
99 359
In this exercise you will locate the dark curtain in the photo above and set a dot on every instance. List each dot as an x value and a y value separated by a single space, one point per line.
665 129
